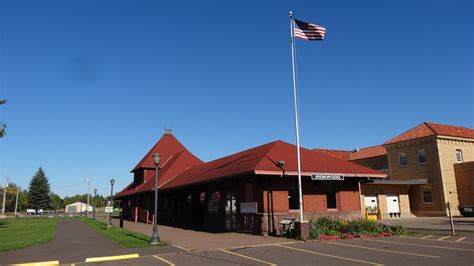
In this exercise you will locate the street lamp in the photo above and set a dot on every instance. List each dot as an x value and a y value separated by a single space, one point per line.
95 202
155 239
112 182
88 180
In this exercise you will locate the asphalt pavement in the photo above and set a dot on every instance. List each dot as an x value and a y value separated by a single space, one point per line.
74 241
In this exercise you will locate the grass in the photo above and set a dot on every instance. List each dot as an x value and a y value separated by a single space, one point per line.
17 233
121 236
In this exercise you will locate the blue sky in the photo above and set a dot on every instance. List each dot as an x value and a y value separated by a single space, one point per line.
91 85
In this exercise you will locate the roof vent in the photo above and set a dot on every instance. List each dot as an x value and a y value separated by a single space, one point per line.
168 131
356 149
280 163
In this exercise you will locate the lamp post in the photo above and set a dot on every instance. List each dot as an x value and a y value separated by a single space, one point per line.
88 180
112 182
95 202
155 239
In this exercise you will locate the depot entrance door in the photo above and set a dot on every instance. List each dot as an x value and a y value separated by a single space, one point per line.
230 213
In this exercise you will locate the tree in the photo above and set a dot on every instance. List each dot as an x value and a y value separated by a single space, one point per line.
2 126
39 191
57 202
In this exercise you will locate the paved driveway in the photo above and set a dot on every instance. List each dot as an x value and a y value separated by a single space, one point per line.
74 241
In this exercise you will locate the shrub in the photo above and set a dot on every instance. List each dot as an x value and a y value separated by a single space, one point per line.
331 227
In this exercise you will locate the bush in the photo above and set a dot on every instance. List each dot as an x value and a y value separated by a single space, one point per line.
332 227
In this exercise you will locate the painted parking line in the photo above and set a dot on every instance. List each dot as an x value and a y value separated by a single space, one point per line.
247 257
426 237
119 257
460 239
442 238
328 255
180 247
259 245
42 263
463 242
384 250
418 245
163 260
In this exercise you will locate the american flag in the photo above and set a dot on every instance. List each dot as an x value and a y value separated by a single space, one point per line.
308 31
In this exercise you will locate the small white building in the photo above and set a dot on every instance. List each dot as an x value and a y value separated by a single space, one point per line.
77 207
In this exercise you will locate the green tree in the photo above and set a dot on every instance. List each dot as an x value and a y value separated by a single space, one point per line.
10 199
39 190
2 126
56 201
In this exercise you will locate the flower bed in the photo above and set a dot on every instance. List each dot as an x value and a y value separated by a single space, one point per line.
332 228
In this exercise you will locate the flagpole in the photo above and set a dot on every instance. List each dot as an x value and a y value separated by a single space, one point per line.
293 61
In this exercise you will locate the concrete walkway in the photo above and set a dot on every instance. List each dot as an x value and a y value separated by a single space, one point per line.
198 240
74 241
435 223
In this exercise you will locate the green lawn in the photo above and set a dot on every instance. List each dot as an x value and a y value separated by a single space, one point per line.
121 236
17 233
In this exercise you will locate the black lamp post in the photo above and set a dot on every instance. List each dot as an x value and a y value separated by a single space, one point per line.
95 202
155 239
112 182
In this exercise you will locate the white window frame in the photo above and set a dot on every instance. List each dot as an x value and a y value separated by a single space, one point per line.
418 157
459 152
423 195
400 159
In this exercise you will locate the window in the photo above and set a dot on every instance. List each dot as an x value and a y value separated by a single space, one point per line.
421 156
427 196
402 159
293 199
459 156
331 201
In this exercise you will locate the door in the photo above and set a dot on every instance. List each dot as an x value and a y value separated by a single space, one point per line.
392 204
230 210
71 209
371 204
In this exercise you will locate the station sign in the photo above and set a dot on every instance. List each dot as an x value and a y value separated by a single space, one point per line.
109 209
327 177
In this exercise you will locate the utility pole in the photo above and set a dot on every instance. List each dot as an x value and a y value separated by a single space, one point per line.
4 196
88 192
16 201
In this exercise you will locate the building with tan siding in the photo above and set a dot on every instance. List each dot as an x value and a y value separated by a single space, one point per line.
421 166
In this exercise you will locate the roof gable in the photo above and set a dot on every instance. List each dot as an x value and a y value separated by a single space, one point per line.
167 146
427 129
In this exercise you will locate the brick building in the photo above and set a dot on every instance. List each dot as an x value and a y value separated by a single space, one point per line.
249 191
422 166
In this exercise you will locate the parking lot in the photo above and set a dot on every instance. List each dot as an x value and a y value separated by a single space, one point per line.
373 251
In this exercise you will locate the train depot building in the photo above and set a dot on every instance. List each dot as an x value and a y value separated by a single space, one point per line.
249 191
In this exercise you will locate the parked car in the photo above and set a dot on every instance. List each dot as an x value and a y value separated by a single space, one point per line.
30 211
41 211
467 210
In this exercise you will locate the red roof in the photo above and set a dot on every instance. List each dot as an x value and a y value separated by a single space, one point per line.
358 154
427 129
262 160
175 158
340 154
368 152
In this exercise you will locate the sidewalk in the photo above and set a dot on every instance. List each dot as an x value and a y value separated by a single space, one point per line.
435 223
197 240
74 241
